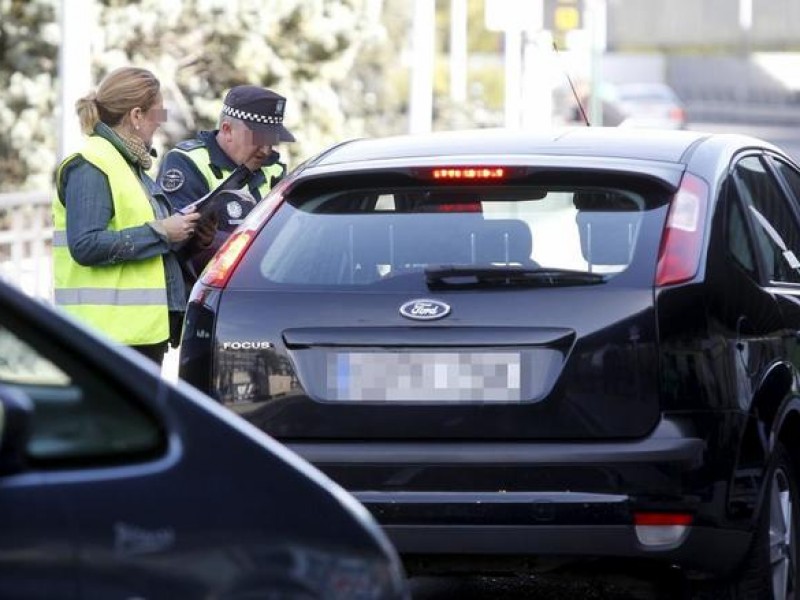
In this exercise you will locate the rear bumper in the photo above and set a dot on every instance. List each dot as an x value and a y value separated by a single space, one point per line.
683 452
705 551
535 499
566 525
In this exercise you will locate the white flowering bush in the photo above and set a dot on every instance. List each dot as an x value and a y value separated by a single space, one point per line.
28 65
323 55
200 48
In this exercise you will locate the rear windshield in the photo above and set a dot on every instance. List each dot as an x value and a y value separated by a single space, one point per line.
381 237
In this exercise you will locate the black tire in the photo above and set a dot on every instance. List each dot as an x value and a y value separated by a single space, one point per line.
755 577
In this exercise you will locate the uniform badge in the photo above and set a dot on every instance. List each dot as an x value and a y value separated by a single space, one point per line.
172 180
234 209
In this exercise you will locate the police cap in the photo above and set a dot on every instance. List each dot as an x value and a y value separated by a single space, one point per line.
259 108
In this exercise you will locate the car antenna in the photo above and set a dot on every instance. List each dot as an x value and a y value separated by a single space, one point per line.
572 87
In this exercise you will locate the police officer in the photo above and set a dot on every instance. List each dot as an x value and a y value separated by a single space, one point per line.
250 125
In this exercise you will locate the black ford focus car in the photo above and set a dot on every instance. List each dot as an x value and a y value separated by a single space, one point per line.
531 348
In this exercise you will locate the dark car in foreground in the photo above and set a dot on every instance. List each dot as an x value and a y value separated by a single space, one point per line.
117 484
527 350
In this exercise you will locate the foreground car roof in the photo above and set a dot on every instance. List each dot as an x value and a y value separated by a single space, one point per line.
652 145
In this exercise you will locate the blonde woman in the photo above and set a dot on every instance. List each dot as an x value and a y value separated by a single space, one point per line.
116 245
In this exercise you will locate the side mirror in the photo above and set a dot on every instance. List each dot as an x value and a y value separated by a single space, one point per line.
16 413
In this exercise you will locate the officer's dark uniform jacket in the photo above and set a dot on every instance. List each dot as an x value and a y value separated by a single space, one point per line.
195 167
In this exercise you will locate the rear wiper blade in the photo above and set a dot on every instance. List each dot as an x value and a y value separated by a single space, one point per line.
466 276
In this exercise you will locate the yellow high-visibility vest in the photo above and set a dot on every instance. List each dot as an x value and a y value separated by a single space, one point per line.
200 157
127 300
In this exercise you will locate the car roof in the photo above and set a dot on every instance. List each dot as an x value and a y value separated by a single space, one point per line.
610 142
663 154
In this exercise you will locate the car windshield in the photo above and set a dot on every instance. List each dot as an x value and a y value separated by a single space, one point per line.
376 237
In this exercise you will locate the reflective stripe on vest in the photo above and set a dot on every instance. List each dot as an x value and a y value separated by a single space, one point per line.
200 157
110 296
127 300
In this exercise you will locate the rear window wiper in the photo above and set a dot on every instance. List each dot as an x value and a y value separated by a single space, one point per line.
472 276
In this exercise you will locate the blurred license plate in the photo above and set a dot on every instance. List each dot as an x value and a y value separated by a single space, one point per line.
424 376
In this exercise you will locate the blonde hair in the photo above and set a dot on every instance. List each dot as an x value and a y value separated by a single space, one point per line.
118 93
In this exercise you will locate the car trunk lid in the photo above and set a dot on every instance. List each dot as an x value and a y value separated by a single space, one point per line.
550 365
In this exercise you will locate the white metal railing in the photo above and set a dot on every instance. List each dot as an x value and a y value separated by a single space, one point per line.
26 233
26 261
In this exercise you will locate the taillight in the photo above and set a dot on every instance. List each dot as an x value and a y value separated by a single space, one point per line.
221 267
661 530
682 242
658 519
677 114
468 173
458 207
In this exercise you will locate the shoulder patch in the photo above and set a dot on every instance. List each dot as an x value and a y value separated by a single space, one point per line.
234 209
172 180
192 144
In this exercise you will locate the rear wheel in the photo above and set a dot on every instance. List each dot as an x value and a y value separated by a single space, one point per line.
770 569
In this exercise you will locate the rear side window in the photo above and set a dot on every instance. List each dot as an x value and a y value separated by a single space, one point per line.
739 239
791 176
380 237
774 223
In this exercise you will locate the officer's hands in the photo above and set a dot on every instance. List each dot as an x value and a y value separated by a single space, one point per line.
180 227
205 231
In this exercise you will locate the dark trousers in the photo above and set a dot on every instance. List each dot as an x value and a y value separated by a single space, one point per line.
154 352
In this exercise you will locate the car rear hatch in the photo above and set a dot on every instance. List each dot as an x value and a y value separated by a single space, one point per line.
503 305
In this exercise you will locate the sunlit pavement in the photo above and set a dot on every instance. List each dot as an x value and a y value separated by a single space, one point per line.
169 370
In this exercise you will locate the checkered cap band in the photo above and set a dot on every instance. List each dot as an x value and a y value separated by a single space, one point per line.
248 116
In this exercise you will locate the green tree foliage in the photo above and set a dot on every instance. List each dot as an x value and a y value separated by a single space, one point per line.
343 65
321 55
374 95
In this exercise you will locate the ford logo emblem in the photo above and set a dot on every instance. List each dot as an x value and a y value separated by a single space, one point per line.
424 310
